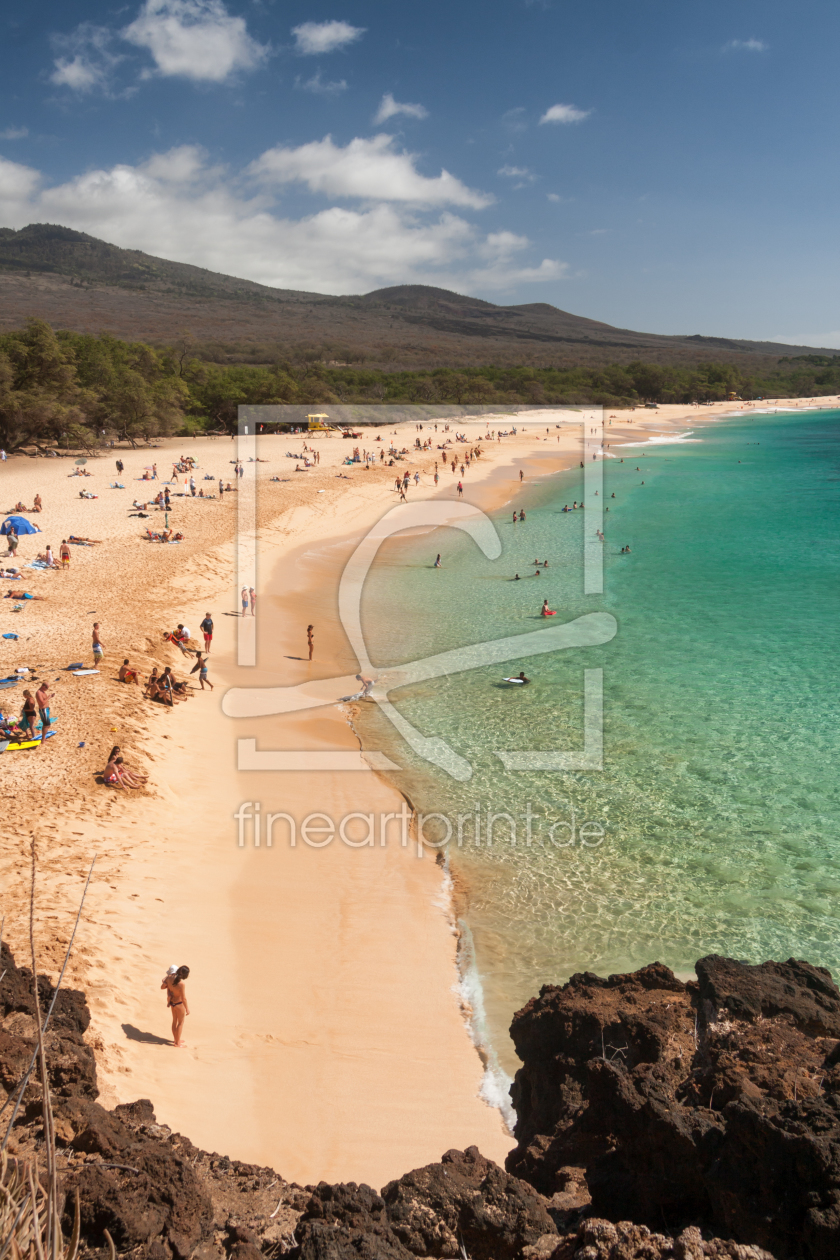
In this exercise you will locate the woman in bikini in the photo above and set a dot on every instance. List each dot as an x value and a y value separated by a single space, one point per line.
176 999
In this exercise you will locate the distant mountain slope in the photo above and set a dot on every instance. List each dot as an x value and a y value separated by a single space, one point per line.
78 282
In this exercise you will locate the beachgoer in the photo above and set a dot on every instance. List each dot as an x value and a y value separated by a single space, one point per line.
64 554
206 629
252 595
201 666
98 646
38 505
438 564
460 489
176 1000
127 674
42 699
522 677
12 542
244 595
521 474
310 639
151 689
516 577
28 712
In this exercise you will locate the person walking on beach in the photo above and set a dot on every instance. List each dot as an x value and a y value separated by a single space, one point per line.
12 542
460 489
176 1000
201 666
310 639
98 646
206 629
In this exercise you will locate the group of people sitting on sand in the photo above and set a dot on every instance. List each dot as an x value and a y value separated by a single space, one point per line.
165 687
80 472
180 637
21 507
117 773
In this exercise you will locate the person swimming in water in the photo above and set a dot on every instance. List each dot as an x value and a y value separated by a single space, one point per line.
437 564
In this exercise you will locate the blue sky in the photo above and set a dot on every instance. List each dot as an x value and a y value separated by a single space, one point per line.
657 165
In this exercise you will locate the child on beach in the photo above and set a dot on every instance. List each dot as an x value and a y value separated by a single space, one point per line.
176 1000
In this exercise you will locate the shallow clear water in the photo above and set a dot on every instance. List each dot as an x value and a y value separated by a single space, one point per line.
719 796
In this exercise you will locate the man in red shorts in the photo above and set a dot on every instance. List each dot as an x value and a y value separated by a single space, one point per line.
206 629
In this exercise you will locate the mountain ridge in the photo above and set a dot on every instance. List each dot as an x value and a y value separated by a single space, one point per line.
78 282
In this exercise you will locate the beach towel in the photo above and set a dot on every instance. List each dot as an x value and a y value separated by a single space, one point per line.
37 564
10 635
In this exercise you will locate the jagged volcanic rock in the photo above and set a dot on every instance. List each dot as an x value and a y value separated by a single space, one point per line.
714 1102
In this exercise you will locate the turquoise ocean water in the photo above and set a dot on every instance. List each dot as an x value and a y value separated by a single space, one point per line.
719 797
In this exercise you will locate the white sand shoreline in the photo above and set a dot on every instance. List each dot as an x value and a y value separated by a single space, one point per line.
347 1065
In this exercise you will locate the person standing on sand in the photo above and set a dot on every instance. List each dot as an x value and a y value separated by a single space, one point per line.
12 542
252 595
28 713
42 699
310 639
176 1000
244 594
206 629
98 646
64 554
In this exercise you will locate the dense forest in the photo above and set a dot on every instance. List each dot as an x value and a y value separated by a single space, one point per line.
67 389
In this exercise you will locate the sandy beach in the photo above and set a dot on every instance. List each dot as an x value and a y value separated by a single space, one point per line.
327 1036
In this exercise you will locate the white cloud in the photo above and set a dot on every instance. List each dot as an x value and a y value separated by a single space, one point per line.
389 108
14 133
87 59
565 114
194 39
521 174
317 85
364 168
745 45
314 38
178 206
514 119
554 197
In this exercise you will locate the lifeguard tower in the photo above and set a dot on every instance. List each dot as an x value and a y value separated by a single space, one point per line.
319 422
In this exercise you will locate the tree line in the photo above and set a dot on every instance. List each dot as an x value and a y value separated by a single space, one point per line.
65 389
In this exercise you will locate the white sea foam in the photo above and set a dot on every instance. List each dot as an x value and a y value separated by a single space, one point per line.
666 439
495 1084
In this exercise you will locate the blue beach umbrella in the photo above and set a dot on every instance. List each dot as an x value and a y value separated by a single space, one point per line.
19 524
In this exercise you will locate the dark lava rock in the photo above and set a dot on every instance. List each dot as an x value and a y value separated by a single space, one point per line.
716 1102
464 1202
604 1240
808 994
